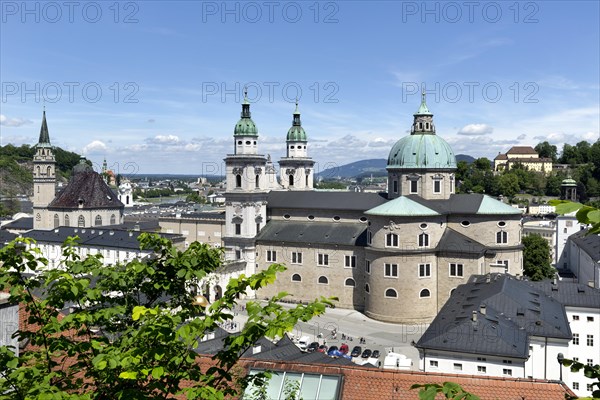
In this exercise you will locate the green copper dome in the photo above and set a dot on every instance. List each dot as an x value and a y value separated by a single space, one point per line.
421 151
568 182
245 127
296 132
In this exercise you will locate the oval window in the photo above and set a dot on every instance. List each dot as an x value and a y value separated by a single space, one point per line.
248 142
363 219
286 216
465 223
423 226
336 218
239 142
291 147
501 224
311 217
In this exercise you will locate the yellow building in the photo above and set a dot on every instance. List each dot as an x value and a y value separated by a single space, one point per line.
525 156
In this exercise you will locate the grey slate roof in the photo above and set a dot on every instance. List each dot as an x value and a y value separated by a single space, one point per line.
325 200
570 293
6 236
88 186
284 349
94 237
351 234
590 243
453 242
22 224
514 311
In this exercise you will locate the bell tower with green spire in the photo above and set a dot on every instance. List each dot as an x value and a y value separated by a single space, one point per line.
245 195
296 169
44 178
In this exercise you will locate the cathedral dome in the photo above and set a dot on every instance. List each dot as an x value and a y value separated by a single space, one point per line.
296 134
245 127
421 151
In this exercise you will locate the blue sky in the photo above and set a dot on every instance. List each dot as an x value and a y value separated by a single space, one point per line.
155 86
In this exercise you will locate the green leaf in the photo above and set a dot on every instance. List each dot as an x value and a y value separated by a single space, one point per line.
128 375
138 311
157 372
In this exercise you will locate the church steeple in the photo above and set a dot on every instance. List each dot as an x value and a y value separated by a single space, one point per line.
423 119
44 135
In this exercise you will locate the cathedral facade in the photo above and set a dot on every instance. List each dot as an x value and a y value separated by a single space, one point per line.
394 256
86 201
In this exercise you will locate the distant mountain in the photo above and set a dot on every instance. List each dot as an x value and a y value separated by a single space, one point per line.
365 168
465 157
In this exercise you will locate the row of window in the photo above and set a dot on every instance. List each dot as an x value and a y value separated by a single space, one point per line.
322 258
393 239
414 186
482 369
589 339
589 319
349 282
80 220
335 218
589 386
391 270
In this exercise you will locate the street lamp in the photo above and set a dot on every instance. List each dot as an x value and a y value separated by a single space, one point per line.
560 357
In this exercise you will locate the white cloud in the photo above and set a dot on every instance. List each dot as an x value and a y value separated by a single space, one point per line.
163 139
475 130
95 147
13 122
521 136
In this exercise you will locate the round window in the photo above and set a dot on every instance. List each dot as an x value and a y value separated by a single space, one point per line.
291 147
248 142
239 142
465 223
363 219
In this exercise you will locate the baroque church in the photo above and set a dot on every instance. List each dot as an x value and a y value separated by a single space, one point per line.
86 201
394 256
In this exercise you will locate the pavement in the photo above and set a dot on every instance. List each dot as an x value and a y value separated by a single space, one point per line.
352 324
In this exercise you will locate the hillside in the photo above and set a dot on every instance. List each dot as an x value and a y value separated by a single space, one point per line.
365 168
16 171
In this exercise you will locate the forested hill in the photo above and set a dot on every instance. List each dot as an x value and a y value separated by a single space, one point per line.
16 167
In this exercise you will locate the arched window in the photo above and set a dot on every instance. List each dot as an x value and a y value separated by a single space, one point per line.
67 222
238 181
425 293
56 221
306 181
81 221
391 293
291 180
127 199
323 280
257 181
391 240
501 237
48 171
98 220
113 219
367 288
296 278
423 240
350 282
38 170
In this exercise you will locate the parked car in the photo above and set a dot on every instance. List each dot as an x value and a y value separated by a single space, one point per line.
344 348
366 353
356 351
312 347
322 349
375 354
331 350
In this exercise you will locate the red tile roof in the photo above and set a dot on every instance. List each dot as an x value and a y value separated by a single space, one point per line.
521 150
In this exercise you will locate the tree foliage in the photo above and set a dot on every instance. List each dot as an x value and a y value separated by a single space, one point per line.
589 371
450 390
133 327
536 258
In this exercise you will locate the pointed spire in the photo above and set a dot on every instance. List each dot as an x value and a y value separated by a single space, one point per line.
44 136
423 110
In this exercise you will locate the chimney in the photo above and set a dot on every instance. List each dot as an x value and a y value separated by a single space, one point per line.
474 317
591 284
256 349
482 308
488 278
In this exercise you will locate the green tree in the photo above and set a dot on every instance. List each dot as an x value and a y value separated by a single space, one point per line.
135 326
536 258
508 184
449 390
482 164
547 150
